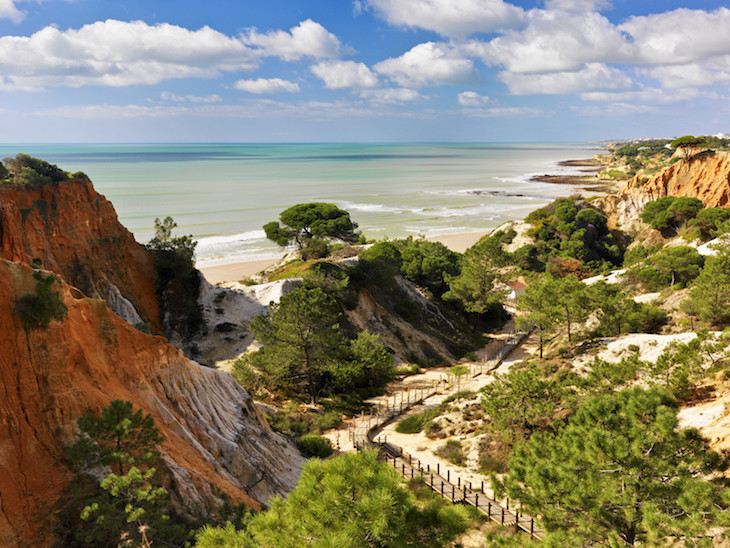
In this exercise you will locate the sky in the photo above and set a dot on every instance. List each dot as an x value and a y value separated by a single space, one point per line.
365 70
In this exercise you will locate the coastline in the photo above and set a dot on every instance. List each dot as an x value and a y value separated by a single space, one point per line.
586 182
235 272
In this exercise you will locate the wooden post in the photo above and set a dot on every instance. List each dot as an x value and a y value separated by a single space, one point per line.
403 469
458 482
476 501
502 516
453 497
442 488
448 476
438 468
482 487
428 468
517 521
431 481
532 527
489 510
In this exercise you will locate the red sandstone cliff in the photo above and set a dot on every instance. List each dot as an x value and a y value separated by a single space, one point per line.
705 176
216 443
74 231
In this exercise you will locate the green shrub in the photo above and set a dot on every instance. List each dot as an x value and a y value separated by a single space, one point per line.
36 310
415 423
312 445
453 452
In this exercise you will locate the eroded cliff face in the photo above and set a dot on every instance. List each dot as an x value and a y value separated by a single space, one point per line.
72 230
216 443
705 175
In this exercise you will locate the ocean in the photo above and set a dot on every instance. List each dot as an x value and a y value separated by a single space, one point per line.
223 194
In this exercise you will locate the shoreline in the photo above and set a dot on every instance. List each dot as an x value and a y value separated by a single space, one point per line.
235 272
459 242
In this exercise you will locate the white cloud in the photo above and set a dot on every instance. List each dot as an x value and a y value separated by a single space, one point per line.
357 8
594 76
306 39
391 95
577 6
428 64
8 10
267 85
117 53
505 112
168 96
648 96
255 109
715 71
555 41
472 99
679 36
450 17
345 74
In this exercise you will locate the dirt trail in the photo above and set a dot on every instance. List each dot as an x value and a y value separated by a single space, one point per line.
419 445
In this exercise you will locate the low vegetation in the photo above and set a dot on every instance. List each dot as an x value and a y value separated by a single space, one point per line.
26 170
36 310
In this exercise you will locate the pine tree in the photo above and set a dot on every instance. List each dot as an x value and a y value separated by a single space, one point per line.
622 470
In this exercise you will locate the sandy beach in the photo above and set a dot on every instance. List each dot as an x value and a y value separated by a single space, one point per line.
587 182
235 272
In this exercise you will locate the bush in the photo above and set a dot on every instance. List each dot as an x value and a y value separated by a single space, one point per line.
453 452
415 423
312 445
36 310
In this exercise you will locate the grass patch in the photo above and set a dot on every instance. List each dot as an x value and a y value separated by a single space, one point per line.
293 269
453 452
415 423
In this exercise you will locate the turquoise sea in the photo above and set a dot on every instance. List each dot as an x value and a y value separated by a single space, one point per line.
224 193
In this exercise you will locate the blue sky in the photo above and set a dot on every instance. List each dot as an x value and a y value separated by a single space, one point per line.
367 70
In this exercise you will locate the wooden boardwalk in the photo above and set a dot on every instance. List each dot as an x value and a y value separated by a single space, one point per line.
442 481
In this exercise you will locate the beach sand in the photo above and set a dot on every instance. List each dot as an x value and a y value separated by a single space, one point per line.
235 272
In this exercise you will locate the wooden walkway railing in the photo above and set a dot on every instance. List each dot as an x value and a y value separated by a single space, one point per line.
364 435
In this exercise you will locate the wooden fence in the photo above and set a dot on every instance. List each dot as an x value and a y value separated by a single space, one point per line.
450 486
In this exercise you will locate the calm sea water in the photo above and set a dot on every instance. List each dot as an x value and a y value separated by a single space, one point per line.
224 193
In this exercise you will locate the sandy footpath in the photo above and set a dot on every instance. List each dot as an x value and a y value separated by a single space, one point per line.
235 272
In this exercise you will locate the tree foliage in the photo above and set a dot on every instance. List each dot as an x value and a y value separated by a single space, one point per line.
672 265
128 502
311 224
621 469
670 213
474 287
570 229
353 501
164 241
305 352
710 295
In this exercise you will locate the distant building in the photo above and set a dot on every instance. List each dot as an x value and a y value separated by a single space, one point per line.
515 289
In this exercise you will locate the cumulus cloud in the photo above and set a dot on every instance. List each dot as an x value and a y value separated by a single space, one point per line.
307 39
472 99
8 10
577 6
117 53
345 74
267 85
167 96
428 64
391 95
713 72
594 76
555 41
679 36
457 18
